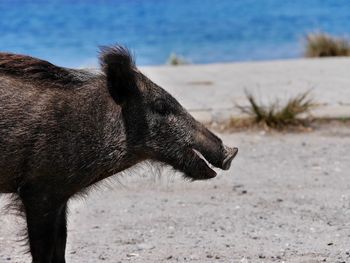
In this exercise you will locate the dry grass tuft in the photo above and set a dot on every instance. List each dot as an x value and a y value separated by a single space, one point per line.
324 45
176 60
279 116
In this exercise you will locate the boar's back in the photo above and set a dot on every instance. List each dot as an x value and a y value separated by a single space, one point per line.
41 72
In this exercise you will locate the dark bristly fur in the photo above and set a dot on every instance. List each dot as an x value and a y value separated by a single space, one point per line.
119 67
115 56
63 130
40 71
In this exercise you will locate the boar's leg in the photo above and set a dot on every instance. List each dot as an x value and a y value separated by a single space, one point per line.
61 236
42 211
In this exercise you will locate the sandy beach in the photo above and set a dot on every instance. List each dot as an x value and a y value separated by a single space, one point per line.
211 92
285 199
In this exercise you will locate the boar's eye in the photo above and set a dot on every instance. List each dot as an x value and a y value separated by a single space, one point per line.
161 107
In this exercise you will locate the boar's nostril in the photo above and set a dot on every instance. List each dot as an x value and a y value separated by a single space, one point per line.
230 154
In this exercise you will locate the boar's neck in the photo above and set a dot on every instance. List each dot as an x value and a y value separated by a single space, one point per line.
118 149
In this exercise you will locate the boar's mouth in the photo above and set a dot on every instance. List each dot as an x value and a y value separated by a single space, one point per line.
197 167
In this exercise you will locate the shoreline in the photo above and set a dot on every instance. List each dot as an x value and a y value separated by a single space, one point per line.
242 62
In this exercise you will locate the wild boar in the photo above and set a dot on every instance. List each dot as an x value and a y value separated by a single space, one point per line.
63 130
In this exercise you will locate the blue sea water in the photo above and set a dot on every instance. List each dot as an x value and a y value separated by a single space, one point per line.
68 32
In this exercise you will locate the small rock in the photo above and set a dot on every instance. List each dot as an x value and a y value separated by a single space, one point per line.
145 246
132 255
235 187
194 257
101 257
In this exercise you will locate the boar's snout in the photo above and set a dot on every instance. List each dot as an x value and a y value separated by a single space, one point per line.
230 154
208 150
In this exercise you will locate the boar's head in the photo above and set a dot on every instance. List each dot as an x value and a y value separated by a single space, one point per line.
157 127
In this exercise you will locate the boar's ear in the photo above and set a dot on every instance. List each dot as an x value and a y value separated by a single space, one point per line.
119 68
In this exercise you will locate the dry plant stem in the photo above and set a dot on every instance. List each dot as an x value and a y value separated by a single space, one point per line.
276 115
323 45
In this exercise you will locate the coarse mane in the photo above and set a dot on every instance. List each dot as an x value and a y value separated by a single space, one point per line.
119 67
116 56
40 71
